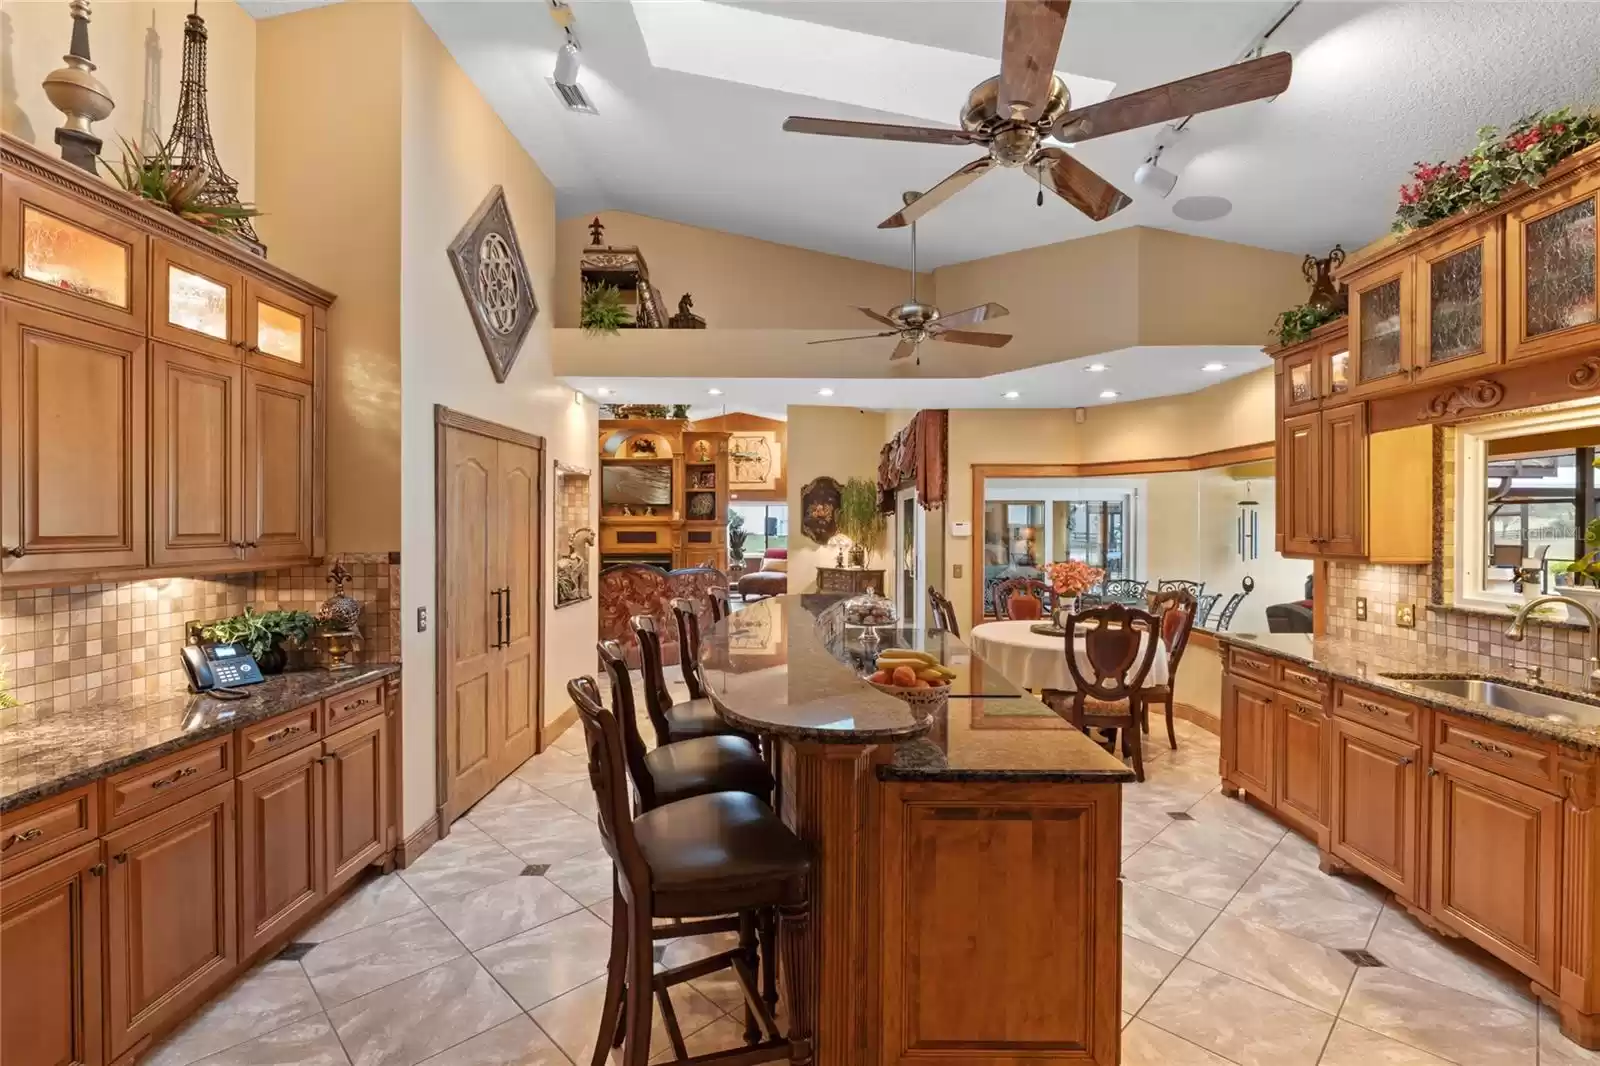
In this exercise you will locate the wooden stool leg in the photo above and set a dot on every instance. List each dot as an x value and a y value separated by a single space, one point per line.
769 949
747 944
616 978
799 972
1172 732
641 970
1137 743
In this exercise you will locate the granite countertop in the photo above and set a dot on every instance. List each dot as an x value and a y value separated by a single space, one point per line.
1017 740
1382 667
71 748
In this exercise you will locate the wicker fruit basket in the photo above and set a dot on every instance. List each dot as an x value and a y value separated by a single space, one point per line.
924 702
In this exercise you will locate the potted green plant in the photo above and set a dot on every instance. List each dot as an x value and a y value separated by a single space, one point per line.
860 519
178 189
269 635
736 539
1296 324
602 310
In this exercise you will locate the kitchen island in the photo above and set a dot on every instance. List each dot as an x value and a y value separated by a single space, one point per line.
967 902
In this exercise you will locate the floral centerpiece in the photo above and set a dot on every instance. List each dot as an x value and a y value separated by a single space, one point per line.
1497 166
1069 580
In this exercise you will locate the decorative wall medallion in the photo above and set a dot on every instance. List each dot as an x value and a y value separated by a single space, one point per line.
754 463
494 279
819 509
1587 375
1474 396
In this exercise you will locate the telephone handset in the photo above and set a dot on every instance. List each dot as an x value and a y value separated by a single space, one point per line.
219 666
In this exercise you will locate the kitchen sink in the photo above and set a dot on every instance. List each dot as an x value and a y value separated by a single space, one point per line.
1510 697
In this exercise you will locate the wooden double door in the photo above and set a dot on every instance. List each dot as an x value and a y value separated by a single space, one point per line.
490 498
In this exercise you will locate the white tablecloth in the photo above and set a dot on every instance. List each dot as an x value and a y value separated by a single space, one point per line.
1034 661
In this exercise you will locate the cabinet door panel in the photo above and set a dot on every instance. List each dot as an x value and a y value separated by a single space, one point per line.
1553 271
196 301
278 332
470 608
519 568
72 444
1343 454
1458 327
357 778
170 928
59 253
280 846
1253 737
1298 387
50 962
1302 779
196 441
1300 486
277 466
1376 798
1381 323
1494 866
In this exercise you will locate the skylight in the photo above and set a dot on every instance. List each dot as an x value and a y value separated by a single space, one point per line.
823 62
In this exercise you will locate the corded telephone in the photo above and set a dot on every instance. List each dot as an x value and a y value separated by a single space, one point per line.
219 666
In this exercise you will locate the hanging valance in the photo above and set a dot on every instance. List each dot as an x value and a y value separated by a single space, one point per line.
918 455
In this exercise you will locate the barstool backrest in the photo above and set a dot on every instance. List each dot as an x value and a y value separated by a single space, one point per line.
626 713
719 603
657 700
689 645
1119 646
614 813
944 612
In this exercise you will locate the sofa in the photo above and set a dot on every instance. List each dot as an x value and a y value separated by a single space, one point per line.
771 580
635 588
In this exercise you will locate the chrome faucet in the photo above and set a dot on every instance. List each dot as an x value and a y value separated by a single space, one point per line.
1515 630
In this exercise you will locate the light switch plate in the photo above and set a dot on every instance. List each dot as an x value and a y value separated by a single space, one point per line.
1361 608
422 619
1405 615
955 571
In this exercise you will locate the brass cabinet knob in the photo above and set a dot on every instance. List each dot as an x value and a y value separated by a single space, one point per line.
18 552
98 869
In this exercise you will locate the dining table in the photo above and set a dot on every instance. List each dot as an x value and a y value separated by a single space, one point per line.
1038 662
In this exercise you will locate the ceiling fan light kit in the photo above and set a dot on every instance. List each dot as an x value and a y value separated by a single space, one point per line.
1009 116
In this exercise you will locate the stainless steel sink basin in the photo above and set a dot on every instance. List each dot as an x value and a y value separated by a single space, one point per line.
1510 697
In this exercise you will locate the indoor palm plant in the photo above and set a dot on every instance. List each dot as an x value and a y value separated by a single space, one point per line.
178 189
602 310
860 519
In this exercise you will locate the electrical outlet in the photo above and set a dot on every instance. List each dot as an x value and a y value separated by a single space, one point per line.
1361 608
422 619
956 570
1405 615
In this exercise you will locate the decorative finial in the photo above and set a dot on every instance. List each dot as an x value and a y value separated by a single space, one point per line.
1324 291
77 93
597 230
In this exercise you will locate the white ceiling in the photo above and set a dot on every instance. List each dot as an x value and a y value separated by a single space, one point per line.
1376 87
1133 373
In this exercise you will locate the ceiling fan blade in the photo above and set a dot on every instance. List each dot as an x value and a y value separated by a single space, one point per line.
904 350
967 336
862 337
1238 84
885 319
1028 54
1077 184
938 194
972 316
876 131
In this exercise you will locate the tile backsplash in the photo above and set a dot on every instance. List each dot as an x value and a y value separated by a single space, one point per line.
64 647
1559 651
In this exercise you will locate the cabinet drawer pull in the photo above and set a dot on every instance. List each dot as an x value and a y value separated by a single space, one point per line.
26 835
1405 760
1305 682
1492 748
98 869
1305 711
1371 708
1252 664
168 782
121 857
15 274
17 552
354 704
1433 771
282 734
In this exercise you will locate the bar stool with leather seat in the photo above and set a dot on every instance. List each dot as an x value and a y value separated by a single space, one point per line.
673 721
694 860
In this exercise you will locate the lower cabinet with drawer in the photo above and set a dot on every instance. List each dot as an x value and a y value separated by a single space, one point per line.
127 902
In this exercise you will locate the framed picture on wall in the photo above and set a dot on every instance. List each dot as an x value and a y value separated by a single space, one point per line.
754 462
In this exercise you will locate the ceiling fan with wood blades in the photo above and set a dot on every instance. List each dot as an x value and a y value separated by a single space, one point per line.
914 321
1011 115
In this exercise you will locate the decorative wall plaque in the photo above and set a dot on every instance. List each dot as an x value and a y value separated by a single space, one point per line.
754 461
819 509
494 279
574 534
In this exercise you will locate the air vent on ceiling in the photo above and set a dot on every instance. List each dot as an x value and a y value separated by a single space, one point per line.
573 98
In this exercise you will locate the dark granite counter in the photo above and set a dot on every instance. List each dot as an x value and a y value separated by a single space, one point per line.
71 748
1383 667
788 667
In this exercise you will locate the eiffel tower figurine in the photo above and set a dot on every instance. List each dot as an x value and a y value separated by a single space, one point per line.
190 144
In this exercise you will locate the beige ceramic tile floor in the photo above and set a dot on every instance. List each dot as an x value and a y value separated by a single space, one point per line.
490 951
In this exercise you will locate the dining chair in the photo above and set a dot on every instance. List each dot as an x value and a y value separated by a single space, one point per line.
1230 609
1194 588
1122 590
1177 621
719 604
1119 644
944 612
1026 586
1204 606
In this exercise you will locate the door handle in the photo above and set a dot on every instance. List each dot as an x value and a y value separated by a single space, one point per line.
505 615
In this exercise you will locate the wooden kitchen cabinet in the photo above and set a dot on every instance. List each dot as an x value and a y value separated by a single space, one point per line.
1343 494
1250 746
1382 320
51 967
278 331
1494 864
72 444
196 458
281 846
196 301
1301 784
1377 797
278 430
356 777
171 914
1553 270
1458 282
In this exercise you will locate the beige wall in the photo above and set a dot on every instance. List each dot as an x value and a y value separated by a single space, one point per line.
1230 414
737 282
1203 291
342 234
138 47
842 443
453 150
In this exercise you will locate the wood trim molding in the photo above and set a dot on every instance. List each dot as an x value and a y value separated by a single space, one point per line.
1190 713
1201 638
446 416
1498 390
563 721
413 846
34 163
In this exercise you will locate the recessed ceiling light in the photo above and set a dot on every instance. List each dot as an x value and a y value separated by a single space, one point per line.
713 392
1095 368
602 392
824 392
1212 368
1012 395
1109 394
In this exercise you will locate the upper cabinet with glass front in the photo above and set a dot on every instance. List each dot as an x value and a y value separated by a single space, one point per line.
1553 263
63 254
1458 301
197 301
1381 327
277 331
1316 371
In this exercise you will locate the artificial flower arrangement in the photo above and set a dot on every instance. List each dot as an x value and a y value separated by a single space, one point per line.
1073 577
1495 167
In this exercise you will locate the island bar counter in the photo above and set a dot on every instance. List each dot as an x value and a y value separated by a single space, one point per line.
966 904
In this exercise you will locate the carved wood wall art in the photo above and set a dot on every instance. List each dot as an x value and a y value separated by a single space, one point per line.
755 461
1531 384
819 509
1477 395
1587 375
488 264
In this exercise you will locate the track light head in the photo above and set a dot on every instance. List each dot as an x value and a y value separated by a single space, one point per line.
569 61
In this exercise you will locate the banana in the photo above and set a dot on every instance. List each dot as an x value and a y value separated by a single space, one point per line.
907 656
935 674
